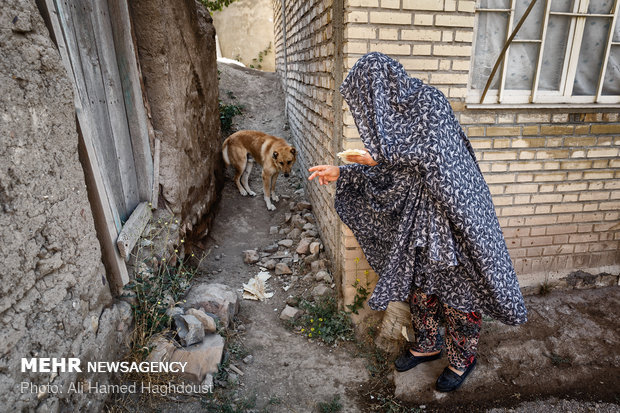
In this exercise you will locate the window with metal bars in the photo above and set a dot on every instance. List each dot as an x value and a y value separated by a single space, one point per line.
557 52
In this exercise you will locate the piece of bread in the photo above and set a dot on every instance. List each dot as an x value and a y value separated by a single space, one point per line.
349 152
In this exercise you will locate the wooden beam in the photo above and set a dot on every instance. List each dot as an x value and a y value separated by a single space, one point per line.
155 196
134 104
114 104
132 230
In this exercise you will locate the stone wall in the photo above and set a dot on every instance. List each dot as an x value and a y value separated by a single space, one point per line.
54 301
245 29
176 48
554 174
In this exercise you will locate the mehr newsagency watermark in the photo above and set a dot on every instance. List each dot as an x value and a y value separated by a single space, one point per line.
62 365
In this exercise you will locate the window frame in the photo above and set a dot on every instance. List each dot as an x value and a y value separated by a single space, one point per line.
516 98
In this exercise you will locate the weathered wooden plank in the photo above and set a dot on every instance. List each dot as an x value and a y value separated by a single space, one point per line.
155 195
132 230
62 47
85 60
106 217
115 103
130 76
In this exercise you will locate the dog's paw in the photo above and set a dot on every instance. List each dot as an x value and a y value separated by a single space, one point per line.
243 192
252 193
275 198
271 207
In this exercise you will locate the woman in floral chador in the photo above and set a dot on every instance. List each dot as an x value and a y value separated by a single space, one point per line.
420 209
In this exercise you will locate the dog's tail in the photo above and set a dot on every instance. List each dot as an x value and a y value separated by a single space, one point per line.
225 152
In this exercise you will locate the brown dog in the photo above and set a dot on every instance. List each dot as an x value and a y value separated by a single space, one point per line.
272 153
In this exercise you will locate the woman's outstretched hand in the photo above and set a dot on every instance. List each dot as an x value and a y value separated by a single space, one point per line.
325 173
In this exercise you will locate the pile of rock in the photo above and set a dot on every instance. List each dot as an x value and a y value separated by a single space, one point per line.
197 341
297 257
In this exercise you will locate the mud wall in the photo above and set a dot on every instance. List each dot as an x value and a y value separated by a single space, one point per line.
54 301
244 29
176 47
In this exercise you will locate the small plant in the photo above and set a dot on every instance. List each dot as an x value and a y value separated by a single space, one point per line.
155 288
361 292
216 5
324 321
332 406
545 287
227 113
558 360
256 62
389 404
227 404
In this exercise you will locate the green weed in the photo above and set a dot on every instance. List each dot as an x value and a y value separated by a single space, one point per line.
361 291
227 113
558 360
216 5
332 406
256 62
324 321
157 285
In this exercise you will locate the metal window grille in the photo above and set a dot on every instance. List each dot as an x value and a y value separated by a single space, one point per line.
577 19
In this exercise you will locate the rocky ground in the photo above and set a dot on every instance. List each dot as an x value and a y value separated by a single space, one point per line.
566 358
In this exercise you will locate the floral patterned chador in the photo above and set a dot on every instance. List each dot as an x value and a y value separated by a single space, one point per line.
423 215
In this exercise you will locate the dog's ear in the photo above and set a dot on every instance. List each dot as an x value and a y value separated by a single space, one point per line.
275 155
293 151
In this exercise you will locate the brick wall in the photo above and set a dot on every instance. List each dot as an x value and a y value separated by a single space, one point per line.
311 70
554 174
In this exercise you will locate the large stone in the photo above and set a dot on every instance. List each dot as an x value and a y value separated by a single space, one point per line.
174 311
304 246
270 264
250 256
218 299
315 247
202 358
320 291
323 276
162 349
283 269
208 322
304 205
189 329
271 248
295 233
309 227
290 313
310 234
286 243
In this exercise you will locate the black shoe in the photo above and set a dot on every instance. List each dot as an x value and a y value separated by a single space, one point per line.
450 381
407 361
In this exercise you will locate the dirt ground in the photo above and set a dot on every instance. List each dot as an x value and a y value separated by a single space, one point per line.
565 359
